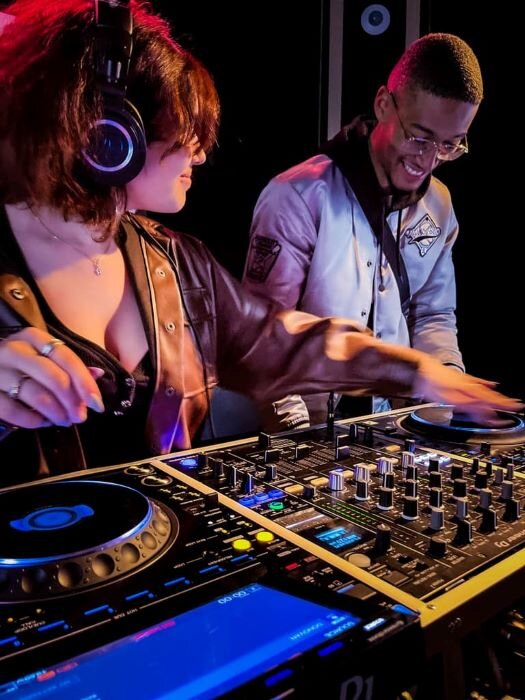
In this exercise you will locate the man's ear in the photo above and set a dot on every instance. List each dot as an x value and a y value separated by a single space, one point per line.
382 103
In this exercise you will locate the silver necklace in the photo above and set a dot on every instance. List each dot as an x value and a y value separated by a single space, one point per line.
95 261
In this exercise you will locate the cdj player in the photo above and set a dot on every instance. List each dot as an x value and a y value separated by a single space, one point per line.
137 582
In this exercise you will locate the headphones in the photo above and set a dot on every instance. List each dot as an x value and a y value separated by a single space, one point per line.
116 149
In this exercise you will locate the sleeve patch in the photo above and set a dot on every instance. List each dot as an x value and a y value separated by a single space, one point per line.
261 258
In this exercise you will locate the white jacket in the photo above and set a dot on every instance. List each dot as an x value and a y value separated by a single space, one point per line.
312 248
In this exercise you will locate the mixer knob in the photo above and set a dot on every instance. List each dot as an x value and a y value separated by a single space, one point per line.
383 539
499 474
489 520
437 518
309 491
407 460
481 480
475 466
389 480
301 451
386 498
410 445
341 440
435 480
361 491
411 472
368 437
437 547
410 507
485 498
433 464
489 467
410 487
510 471
385 465
247 483
461 508
435 497
217 465
232 476
270 472
362 471
353 432
507 490
460 488
342 452
512 510
265 440
456 472
336 480
272 455
463 532
485 448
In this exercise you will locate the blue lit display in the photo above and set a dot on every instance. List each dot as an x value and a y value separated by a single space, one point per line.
338 537
189 463
199 654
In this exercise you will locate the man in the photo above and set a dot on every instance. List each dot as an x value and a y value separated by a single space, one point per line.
364 230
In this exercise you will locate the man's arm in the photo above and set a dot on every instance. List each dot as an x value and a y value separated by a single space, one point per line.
282 240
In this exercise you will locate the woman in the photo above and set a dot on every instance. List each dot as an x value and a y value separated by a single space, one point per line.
114 330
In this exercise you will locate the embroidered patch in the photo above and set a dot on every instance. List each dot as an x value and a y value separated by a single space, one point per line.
424 234
262 257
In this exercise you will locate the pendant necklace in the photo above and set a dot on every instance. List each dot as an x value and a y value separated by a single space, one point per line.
95 261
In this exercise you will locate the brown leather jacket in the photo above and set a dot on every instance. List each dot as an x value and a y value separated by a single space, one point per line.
215 332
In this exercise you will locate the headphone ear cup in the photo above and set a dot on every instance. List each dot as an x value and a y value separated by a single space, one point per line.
116 150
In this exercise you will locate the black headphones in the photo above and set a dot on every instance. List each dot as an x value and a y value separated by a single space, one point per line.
116 151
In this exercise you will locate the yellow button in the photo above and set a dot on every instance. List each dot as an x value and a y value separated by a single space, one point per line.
319 481
392 448
264 537
295 489
241 545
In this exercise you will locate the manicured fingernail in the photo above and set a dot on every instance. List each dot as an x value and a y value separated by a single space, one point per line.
96 372
96 403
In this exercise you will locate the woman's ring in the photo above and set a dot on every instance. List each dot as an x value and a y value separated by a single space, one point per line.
14 391
48 348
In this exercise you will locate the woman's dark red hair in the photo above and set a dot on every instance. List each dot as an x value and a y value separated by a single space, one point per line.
49 101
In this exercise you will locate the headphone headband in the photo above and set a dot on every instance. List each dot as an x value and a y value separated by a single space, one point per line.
116 151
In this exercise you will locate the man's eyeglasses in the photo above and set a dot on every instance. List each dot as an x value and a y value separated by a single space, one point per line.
419 146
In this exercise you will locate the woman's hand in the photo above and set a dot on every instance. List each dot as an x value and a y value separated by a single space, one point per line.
470 395
43 382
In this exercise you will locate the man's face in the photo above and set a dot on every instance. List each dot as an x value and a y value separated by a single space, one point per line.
406 117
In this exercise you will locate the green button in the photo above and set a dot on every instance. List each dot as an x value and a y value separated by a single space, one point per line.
276 505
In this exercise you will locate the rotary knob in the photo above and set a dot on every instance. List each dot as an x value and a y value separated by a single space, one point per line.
411 487
385 465
437 547
485 498
383 539
463 532
410 507
435 480
437 519
361 491
507 490
456 472
386 498
270 472
336 480
460 488
435 497
362 471
410 445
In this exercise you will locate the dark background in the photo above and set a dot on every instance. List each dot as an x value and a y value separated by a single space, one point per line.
269 60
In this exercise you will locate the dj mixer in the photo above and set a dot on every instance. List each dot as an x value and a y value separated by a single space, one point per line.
363 559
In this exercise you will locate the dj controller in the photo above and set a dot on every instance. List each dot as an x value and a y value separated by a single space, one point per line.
363 559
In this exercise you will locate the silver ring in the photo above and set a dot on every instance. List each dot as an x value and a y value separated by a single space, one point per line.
48 348
14 391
